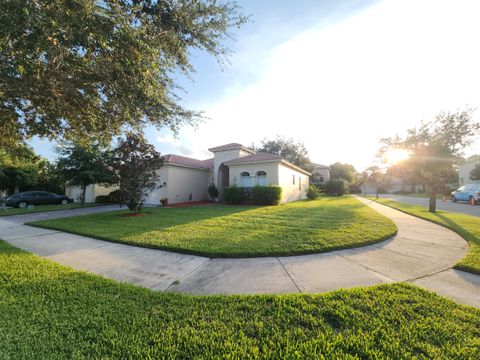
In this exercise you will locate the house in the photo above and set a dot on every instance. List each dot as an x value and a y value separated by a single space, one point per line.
465 169
184 179
320 174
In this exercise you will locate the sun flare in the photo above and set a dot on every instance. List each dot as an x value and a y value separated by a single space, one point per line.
394 156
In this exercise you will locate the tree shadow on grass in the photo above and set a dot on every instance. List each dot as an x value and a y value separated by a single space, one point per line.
234 230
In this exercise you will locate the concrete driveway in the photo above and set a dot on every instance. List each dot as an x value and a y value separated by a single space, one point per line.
447 205
422 253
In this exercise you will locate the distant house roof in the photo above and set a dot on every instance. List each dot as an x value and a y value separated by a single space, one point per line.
320 166
473 158
264 157
231 146
172 159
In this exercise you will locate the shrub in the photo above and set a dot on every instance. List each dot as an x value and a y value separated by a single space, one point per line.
234 194
116 197
102 199
320 187
336 187
313 192
164 201
213 191
267 195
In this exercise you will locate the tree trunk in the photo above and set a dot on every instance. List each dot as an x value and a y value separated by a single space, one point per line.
84 192
432 202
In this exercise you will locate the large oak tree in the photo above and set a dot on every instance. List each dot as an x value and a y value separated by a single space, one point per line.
436 148
88 69
289 149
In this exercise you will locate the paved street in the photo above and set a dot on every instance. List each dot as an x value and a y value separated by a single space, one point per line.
58 214
447 205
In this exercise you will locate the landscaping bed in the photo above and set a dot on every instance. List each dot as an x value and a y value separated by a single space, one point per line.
467 226
300 227
51 311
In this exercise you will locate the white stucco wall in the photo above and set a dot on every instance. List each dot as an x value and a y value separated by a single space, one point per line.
91 193
291 191
154 197
271 168
220 157
277 174
180 183
464 172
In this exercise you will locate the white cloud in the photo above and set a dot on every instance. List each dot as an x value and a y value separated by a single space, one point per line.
167 139
339 88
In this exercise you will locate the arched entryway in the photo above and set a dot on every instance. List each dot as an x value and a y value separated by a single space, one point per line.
223 179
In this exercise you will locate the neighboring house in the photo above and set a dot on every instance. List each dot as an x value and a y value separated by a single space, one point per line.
91 193
465 169
183 179
320 174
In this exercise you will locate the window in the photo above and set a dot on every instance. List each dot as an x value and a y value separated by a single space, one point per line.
261 178
321 179
293 179
245 179
300 183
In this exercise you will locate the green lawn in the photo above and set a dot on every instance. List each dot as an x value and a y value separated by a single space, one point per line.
51 311
240 231
41 208
423 195
466 226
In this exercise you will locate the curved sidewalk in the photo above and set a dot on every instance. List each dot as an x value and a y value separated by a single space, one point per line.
422 253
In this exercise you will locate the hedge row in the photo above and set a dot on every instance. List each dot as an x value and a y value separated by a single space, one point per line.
115 197
261 195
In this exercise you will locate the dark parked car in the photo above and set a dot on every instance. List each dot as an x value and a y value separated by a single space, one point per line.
37 198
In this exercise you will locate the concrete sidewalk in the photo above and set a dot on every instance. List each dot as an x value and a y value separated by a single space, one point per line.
422 253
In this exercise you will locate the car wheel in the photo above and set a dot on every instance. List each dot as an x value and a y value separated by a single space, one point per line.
454 199
64 202
22 204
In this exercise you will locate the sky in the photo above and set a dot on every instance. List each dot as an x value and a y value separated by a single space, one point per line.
335 75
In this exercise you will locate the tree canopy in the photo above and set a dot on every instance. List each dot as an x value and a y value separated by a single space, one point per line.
343 171
84 165
436 148
291 150
19 166
136 163
475 173
89 69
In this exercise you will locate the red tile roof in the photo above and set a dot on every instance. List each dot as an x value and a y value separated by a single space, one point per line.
231 146
258 157
188 162
208 163
264 157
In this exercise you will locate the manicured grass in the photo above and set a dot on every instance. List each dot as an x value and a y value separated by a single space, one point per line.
50 311
241 231
41 208
466 226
